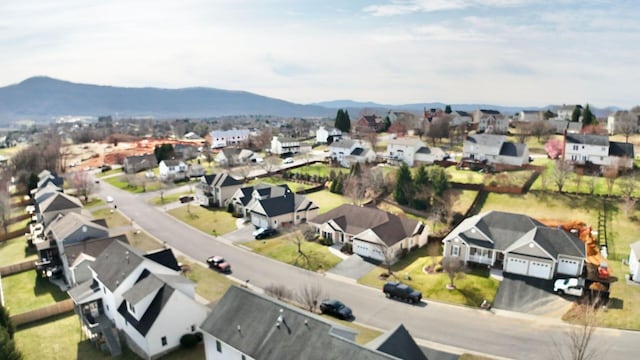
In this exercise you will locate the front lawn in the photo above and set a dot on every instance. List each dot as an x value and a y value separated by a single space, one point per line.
142 241
169 198
327 200
274 180
94 202
216 222
111 172
211 285
15 250
26 291
318 169
316 257
114 218
136 184
471 288
43 340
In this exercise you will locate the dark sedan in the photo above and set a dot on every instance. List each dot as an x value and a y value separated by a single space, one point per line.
336 308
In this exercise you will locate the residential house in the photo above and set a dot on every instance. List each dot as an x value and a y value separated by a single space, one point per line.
373 233
48 181
490 121
192 136
614 120
459 118
185 151
40 194
248 325
530 116
634 262
411 151
57 203
216 190
137 163
598 150
172 170
369 123
560 126
234 156
273 206
327 134
284 145
565 112
517 244
141 298
347 152
195 170
222 138
495 149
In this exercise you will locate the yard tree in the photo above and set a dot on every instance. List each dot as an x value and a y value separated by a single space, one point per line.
587 117
5 321
540 129
447 109
454 267
343 123
163 152
310 294
548 115
82 182
627 125
439 180
404 185
278 291
8 349
561 171
439 128
578 342
610 173
355 187
387 123
553 148
206 152
575 115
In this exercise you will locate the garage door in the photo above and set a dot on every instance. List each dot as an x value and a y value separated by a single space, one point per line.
540 270
568 267
517 266
259 220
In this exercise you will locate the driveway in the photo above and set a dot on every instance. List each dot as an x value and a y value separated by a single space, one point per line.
527 295
352 267
242 234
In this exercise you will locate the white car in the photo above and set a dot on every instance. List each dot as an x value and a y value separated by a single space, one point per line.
571 286
288 161
109 199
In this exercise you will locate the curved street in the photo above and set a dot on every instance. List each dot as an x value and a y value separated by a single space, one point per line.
503 334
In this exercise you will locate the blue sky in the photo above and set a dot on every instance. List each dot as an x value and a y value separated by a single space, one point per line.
506 52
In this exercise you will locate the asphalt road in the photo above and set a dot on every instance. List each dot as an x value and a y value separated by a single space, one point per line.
507 335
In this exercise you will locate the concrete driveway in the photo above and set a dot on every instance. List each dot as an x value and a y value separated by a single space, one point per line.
352 267
244 233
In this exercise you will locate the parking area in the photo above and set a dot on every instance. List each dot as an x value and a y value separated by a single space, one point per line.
527 295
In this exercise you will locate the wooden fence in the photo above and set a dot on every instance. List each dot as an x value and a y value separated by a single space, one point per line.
18 267
60 307
14 234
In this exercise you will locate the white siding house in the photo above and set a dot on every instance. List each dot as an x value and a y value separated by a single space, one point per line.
222 138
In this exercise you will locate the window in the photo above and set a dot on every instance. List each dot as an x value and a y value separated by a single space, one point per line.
193 328
218 346
575 147
131 308
164 341
244 357
455 250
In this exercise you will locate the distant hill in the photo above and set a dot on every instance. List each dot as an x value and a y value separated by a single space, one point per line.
44 98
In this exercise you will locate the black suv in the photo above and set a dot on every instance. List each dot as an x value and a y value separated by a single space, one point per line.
401 291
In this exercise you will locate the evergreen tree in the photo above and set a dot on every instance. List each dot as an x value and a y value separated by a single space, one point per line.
575 116
587 117
347 121
387 123
339 124
5 321
163 152
32 182
447 109
404 185
422 178
439 181
355 169
8 350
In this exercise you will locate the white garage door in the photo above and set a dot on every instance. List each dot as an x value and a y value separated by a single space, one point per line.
540 270
517 266
259 221
568 267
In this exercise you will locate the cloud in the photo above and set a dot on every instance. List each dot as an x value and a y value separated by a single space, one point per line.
403 7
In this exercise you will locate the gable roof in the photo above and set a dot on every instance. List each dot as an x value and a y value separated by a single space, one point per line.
512 149
588 139
63 226
621 149
221 179
247 322
354 220
164 257
491 140
398 342
147 284
58 202
92 247
172 162
343 144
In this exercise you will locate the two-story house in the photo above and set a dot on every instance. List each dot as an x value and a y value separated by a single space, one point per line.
495 149
234 156
565 112
412 151
369 123
222 138
284 145
143 298
56 204
347 152
597 150
460 118
216 190
173 170
530 115
490 121
327 134
136 163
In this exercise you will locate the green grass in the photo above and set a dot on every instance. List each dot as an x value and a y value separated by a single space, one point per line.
295 186
166 199
121 183
94 202
42 340
15 250
114 219
216 222
10 151
327 200
111 172
319 169
318 257
26 291
471 288
19 225
464 176
211 285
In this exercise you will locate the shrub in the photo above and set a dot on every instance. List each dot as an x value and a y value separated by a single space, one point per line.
189 340
325 241
347 248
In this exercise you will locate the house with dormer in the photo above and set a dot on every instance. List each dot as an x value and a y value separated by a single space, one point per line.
597 150
495 149
248 325
273 206
216 190
142 298
347 152
516 244
372 233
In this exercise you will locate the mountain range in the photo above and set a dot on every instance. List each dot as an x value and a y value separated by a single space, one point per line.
44 99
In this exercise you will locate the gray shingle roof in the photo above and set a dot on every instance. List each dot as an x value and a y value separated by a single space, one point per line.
512 149
66 225
116 263
588 139
247 322
398 342
487 139
621 149
58 202
92 247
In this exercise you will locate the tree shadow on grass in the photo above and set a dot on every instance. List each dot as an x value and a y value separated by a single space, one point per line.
43 286
472 298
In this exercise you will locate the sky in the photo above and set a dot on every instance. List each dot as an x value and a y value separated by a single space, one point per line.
502 52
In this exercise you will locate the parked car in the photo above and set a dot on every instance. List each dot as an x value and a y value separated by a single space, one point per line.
109 199
185 198
394 289
336 308
571 286
218 263
288 161
263 233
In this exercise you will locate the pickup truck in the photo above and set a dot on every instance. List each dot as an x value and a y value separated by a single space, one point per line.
571 286
401 291
218 263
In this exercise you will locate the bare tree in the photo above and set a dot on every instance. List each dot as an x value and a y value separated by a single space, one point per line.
610 173
376 184
310 294
388 256
82 182
298 239
578 342
593 180
278 291
438 129
206 152
627 125
561 171
269 164
355 188
627 185
5 210
434 249
372 138
454 267
540 129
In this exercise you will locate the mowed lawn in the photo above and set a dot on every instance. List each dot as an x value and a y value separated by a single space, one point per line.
42 340
327 200
216 222
15 250
210 284
113 218
316 257
27 291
